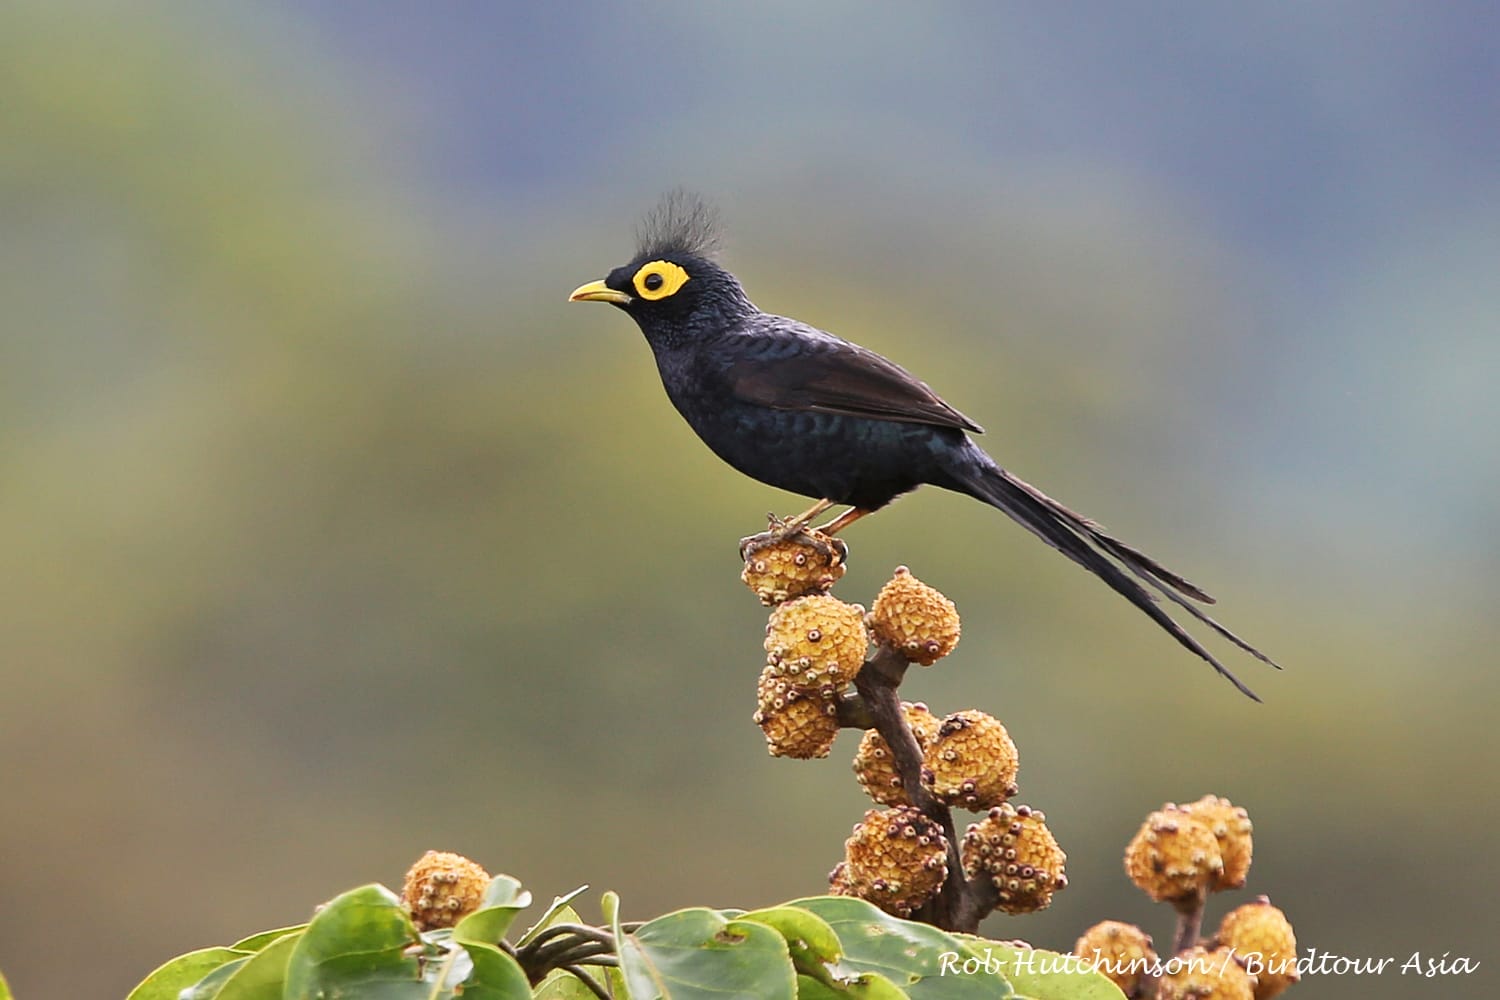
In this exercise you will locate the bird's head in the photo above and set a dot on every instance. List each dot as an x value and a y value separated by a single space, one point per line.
673 285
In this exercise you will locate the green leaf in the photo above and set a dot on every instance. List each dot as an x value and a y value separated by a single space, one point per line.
256 942
497 910
1043 975
443 969
813 945
807 934
866 986
505 890
4 988
561 985
924 962
450 969
209 986
263 977
559 915
356 948
559 903
182 972
613 980
496 976
698 953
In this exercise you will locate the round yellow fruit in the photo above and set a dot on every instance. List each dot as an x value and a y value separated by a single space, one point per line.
914 619
1014 849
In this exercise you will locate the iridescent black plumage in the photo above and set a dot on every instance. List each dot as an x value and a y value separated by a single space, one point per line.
803 410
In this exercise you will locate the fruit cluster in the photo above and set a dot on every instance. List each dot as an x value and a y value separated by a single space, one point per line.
831 665
443 888
817 649
1180 855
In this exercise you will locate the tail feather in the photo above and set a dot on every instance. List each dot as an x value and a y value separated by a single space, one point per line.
1173 586
1132 557
1086 543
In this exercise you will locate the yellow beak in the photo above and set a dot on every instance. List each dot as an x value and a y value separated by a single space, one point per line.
598 291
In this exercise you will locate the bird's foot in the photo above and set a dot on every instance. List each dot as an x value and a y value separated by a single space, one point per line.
783 528
779 530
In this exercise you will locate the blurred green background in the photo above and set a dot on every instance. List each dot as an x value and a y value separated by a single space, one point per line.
334 534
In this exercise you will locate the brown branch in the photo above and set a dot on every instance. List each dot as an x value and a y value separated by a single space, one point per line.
877 683
561 945
960 904
978 900
587 953
1189 922
852 712
564 929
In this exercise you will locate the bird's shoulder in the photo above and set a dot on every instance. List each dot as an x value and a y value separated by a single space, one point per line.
785 364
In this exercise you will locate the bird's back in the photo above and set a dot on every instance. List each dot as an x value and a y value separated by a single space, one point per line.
753 393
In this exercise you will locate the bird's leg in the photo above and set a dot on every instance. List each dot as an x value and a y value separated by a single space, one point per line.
793 525
781 529
845 519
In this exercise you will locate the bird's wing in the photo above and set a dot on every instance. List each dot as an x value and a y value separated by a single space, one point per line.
798 368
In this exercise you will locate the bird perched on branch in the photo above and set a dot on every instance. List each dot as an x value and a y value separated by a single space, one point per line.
803 410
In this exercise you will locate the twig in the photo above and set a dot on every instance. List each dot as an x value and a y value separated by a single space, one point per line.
610 960
852 711
1189 922
960 904
560 944
587 980
979 899
539 960
587 952
577 930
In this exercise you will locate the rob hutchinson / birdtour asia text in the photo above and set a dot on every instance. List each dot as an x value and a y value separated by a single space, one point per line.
1314 963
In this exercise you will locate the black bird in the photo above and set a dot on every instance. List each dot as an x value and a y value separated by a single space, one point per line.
803 410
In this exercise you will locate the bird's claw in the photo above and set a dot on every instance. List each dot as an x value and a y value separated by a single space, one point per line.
778 530
751 543
754 543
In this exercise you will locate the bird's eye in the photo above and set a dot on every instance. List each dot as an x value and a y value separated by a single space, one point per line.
659 279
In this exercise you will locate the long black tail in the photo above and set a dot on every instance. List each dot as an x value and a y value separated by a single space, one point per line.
1086 543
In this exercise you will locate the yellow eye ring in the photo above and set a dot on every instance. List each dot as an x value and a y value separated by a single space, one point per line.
659 279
